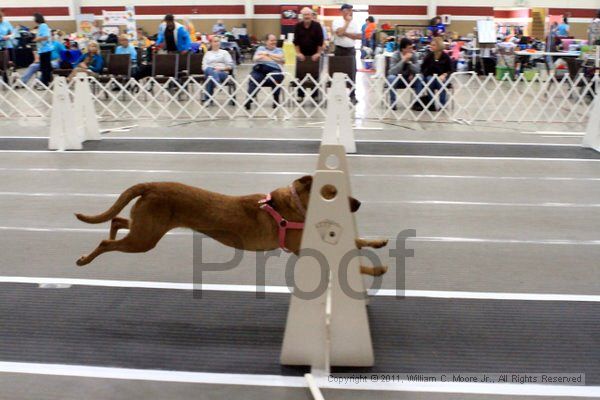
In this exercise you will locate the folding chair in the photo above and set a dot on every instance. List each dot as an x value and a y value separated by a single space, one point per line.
304 68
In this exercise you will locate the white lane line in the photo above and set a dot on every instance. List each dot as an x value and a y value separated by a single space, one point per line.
425 202
317 139
440 294
295 381
287 155
299 173
447 239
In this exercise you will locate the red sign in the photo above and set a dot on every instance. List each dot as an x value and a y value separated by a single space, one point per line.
289 15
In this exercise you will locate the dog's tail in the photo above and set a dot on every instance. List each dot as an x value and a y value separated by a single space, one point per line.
115 209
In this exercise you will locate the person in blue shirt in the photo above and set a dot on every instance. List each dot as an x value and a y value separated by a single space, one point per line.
125 47
267 70
563 29
7 33
172 36
90 63
35 66
43 40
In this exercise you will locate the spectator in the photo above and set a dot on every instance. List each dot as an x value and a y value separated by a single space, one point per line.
267 69
44 48
7 35
34 67
142 39
436 63
125 47
404 68
594 30
90 63
563 29
346 31
369 31
436 27
219 28
216 64
172 36
308 37
189 26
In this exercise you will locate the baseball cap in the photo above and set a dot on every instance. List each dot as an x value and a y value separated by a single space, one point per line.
346 6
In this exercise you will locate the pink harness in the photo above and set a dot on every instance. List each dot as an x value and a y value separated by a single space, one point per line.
282 223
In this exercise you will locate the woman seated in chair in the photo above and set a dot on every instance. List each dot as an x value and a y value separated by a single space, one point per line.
90 63
216 64
267 70
436 62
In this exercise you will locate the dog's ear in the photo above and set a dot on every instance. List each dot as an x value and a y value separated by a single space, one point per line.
306 181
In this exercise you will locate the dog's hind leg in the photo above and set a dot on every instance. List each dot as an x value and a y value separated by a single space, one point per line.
116 224
129 244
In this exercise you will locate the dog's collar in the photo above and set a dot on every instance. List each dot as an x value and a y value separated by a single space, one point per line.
282 224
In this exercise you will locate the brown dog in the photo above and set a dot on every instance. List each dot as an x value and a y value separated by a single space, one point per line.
236 221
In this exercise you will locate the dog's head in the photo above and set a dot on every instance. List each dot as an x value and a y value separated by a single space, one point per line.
304 185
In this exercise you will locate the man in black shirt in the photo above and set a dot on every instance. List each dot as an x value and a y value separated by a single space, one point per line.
170 44
308 37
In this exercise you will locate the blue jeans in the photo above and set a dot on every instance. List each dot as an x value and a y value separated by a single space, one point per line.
432 88
265 80
218 76
34 68
400 84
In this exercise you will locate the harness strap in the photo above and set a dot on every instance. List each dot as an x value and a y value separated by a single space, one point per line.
282 224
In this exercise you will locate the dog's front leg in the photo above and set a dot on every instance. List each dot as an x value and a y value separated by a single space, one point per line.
376 244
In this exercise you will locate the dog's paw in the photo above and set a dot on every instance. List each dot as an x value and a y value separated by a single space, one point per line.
373 271
81 261
378 271
377 244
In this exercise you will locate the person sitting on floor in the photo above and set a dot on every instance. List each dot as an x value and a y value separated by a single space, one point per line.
404 67
216 64
90 63
267 70
436 69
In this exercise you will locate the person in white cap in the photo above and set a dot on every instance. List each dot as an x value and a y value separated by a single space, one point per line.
347 31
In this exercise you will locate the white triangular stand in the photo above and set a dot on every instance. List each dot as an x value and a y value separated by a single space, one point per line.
592 134
330 328
85 112
338 125
64 134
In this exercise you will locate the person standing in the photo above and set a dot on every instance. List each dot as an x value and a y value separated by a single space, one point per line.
308 37
172 36
347 32
7 35
594 30
369 31
43 40
563 29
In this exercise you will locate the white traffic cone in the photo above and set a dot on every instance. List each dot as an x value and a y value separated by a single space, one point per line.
592 134
64 134
85 112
